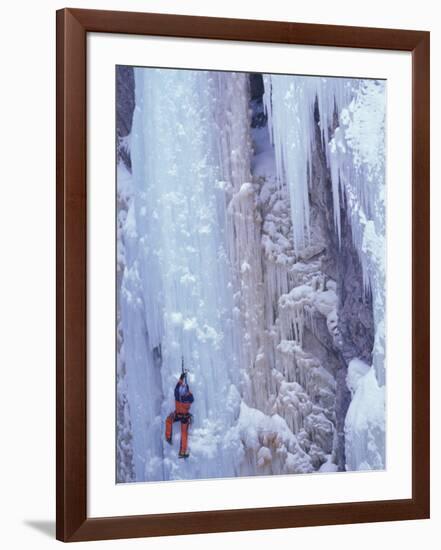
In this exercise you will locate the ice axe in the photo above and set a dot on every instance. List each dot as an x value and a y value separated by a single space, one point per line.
184 371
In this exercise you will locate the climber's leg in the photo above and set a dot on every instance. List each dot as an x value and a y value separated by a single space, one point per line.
169 427
183 451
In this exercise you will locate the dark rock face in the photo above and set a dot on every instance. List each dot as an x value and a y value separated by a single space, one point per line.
258 116
340 262
320 341
125 105
356 322
256 86
342 400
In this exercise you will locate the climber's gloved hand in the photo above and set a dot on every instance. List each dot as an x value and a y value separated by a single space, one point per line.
181 378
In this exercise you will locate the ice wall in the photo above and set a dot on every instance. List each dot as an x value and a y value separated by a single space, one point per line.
192 283
177 292
243 231
219 257
352 125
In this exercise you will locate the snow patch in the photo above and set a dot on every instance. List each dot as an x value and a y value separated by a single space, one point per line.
365 419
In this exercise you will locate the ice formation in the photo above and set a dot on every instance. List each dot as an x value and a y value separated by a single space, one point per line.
365 421
352 124
220 261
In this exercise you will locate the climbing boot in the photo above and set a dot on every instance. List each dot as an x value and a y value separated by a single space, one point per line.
169 440
183 454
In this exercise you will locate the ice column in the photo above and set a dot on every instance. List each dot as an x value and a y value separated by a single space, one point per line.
243 225
177 293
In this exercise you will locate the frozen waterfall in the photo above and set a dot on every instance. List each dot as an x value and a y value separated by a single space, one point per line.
219 259
177 289
352 124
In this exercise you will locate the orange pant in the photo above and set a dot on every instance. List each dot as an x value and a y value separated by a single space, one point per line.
184 419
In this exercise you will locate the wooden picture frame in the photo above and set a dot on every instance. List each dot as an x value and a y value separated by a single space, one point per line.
73 524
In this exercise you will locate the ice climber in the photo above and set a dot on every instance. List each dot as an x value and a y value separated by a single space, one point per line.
183 400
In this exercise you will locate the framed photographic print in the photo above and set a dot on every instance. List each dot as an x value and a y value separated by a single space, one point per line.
242 274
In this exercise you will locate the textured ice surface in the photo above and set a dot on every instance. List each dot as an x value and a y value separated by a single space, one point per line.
352 122
219 262
365 421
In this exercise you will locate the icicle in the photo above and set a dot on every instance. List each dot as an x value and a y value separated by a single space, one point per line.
289 103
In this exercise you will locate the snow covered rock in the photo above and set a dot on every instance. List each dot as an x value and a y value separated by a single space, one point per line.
365 419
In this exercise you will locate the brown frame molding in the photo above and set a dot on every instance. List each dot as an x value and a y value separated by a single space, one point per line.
71 464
